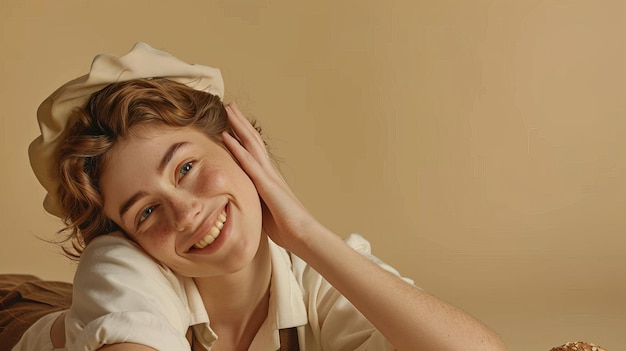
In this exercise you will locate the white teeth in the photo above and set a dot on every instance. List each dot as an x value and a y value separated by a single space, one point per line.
214 232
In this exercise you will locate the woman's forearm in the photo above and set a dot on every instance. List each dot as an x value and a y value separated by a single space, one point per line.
408 317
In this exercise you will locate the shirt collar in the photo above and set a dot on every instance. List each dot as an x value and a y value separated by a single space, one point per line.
286 307
285 291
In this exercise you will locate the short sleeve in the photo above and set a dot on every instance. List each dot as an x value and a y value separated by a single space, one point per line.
122 295
334 323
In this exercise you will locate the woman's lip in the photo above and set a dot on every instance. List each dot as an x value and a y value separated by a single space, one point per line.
205 227
219 241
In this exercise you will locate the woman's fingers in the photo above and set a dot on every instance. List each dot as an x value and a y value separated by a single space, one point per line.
251 152
283 212
248 126
249 149
248 162
247 134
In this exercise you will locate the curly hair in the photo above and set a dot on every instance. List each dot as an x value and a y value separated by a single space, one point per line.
111 114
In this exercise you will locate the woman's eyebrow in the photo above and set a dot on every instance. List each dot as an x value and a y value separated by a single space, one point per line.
130 202
171 151
165 160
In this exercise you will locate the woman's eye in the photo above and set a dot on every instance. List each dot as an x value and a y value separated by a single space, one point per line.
146 213
185 169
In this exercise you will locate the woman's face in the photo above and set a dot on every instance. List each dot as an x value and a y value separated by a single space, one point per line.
184 200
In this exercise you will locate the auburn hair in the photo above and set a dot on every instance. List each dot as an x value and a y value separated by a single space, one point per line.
111 114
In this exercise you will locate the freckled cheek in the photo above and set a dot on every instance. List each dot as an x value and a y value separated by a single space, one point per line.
210 182
155 242
227 179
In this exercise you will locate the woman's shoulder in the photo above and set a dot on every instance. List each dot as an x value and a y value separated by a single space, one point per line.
111 243
122 294
115 249
113 258
116 275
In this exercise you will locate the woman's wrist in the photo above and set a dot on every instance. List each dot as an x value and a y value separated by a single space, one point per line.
318 246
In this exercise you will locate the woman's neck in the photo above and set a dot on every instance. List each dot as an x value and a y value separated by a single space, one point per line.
237 304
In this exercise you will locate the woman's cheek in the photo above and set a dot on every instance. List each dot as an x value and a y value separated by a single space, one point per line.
155 239
210 182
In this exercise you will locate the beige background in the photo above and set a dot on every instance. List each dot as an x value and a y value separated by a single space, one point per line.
477 144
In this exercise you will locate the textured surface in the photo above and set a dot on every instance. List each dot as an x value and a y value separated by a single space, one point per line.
578 346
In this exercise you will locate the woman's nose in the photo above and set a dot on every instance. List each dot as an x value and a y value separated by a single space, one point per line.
185 211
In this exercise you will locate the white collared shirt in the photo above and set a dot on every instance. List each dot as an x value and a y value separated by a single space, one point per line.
122 295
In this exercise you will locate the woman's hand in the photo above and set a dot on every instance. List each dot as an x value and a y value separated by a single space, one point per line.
285 219
408 317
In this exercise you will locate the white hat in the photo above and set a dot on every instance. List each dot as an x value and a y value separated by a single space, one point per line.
54 114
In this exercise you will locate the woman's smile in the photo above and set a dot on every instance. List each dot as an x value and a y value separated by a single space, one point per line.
207 235
184 199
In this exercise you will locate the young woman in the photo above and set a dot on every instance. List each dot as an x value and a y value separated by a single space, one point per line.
190 239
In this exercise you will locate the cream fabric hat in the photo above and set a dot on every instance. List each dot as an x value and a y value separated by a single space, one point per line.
54 114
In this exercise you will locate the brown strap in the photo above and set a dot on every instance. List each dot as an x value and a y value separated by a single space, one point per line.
289 339
190 337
